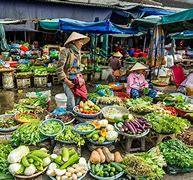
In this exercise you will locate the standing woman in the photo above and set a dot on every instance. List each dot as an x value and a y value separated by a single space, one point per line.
68 69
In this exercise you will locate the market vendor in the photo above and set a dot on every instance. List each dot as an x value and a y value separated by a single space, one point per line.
115 65
68 69
136 83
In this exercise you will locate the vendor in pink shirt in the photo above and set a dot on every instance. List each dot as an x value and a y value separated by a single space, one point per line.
136 83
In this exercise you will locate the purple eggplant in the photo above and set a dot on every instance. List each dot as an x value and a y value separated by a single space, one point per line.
125 128
133 125
136 124
130 127
139 124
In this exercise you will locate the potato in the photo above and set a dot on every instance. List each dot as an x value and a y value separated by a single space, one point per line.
74 176
71 170
79 174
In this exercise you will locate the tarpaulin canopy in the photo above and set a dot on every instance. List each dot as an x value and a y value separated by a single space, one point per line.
100 27
48 24
178 22
183 35
155 11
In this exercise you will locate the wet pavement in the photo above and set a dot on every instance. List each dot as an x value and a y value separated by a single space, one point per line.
9 97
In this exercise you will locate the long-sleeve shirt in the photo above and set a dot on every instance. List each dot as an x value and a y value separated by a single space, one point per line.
115 63
65 65
136 81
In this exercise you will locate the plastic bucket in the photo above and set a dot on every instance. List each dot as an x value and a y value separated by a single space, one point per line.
61 100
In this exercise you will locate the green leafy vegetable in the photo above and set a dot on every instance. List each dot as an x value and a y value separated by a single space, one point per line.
5 149
28 133
177 154
70 135
167 124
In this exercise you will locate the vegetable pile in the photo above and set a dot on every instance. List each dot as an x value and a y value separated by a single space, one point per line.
67 164
133 126
65 118
106 164
70 136
170 100
104 90
108 100
26 118
51 127
104 132
185 106
28 133
7 122
5 149
88 107
24 162
84 128
186 137
145 165
177 154
167 124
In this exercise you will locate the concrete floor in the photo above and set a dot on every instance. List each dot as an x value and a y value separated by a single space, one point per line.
9 97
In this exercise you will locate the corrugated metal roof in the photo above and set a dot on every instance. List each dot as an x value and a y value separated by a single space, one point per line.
80 3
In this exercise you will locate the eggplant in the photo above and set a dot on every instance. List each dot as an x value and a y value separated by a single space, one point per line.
133 125
125 128
136 124
141 121
139 124
130 127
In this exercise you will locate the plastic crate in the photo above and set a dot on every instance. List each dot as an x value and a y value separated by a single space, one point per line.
23 82
40 81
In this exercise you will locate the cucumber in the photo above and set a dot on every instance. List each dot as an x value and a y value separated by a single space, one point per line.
113 169
92 133
93 168
121 165
116 166
59 160
106 174
97 168
111 174
65 154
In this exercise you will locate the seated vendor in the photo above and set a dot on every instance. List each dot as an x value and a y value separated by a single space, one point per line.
115 64
136 83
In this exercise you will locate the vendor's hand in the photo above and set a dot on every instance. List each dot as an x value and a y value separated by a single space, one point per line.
69 83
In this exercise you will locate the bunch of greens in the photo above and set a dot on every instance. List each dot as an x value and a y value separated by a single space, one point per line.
40 101
170 100
167 124
28 133
69 135
185 106
20 108
5 149
146 165
177 154
39 70
23 68
140 105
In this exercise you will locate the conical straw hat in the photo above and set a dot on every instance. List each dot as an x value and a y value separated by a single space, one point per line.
76 36
117 54
138 66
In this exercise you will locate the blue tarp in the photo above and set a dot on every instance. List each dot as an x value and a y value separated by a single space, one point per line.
155 11
101 27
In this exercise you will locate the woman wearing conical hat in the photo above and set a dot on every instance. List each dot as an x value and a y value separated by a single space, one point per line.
68 69
136 83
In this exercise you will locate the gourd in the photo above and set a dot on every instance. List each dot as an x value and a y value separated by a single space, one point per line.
95 157
118 157
108 155
102 156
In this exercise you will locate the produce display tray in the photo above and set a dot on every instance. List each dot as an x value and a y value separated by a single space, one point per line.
32 176
132 135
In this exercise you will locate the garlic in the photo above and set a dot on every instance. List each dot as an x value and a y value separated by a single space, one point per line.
79 174
60 172
68 174
64 177
58 177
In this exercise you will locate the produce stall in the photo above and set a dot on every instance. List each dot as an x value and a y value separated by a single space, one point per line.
108 126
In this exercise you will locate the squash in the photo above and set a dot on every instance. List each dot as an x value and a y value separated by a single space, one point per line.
103 132
108 155
96 124
118 157
102 156
95 157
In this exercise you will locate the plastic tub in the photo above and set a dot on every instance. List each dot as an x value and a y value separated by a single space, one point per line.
61 100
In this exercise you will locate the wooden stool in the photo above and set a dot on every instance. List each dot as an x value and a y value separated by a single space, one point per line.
160 137
129 142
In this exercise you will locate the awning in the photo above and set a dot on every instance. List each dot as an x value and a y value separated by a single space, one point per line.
178 22
183 35
155 11
101 27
